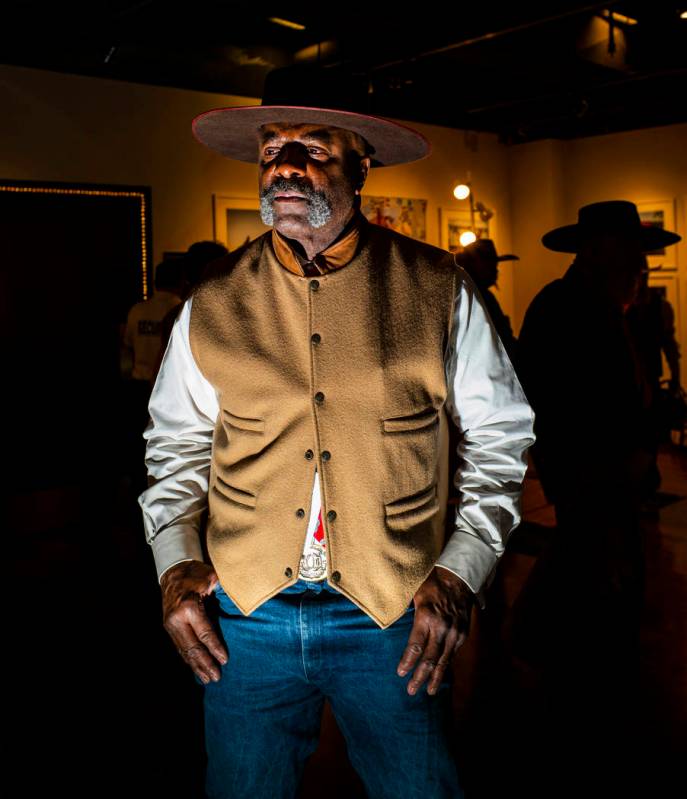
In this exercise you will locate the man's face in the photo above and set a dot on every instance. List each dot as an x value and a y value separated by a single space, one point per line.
616 261
486 270
309 176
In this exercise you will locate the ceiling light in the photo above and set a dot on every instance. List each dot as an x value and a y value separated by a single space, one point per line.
467 237
683 15
461 191
286 23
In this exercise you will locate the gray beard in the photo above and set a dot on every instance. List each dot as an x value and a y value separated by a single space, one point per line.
319 207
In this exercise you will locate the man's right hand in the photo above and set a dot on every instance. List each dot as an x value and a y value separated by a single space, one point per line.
184 588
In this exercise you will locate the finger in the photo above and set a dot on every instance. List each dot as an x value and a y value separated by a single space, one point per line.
417 641
195 656
183 627
207 634
427 664
450 646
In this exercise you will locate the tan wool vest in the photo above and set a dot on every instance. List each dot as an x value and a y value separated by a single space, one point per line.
344 372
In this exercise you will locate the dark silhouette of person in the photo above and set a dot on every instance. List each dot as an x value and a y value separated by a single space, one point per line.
193 264
576 361
140 346
481 261
651 321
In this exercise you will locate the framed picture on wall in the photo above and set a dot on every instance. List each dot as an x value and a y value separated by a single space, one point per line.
236 220
403 214
660 214
453 223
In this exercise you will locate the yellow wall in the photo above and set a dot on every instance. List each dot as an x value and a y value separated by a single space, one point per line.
550 180
78 129
71 128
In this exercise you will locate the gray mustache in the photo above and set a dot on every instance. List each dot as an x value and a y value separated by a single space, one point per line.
289 184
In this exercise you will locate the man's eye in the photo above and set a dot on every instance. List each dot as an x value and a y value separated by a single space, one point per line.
270 151
315 150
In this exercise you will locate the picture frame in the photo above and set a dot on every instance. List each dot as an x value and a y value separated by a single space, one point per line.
406 215
236 219
661 214
453 222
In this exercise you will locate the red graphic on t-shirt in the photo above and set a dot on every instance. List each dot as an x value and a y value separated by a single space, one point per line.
318 535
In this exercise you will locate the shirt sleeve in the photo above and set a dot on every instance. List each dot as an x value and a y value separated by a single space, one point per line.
183 411
496 422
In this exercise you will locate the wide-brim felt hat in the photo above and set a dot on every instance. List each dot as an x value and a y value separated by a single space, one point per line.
309 95
618 217
485 249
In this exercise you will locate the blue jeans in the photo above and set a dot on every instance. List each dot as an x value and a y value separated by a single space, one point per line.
308 643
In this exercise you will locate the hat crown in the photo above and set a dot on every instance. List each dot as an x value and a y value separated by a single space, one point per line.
483 248
308 86
609 216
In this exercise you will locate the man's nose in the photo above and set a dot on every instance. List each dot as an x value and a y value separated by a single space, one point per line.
291 161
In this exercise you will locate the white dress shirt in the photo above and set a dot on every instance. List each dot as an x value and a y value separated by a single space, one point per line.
485 400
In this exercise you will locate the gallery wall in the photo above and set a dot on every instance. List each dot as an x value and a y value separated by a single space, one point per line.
71 128
59 127
550 180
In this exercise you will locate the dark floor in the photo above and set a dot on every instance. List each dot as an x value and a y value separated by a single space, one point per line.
100 703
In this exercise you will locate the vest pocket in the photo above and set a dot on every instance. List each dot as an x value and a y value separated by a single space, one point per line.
238 496
412 421
413 509
252 425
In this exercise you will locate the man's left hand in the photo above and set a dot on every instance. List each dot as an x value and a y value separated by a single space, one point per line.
443 608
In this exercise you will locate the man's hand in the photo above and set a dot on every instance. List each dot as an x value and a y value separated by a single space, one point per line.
184 587
443 607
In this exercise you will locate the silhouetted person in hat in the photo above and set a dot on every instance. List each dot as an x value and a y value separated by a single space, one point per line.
593 451
481 261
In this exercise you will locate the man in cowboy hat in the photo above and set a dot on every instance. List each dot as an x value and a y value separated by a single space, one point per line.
304 400
593 449
481 261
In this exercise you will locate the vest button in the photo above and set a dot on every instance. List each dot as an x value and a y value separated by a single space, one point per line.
314 285
300 513
319 398
288 571
309 454
326 455
336 576
316 338
331 515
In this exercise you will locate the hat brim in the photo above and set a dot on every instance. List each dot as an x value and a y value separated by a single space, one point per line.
233 132
508 258
570 237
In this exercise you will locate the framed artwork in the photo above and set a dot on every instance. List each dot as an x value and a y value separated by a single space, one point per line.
236 220
660 214
452 223
402 214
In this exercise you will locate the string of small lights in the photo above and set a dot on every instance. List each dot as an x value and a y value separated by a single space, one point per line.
99 193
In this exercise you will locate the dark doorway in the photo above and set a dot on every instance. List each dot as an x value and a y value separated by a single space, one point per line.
73 259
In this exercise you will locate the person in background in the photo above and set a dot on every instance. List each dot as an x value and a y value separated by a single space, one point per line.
481 261
142 333
651 322
193 264
140 347
581 622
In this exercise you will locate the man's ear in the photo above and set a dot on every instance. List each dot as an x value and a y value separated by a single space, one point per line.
364 169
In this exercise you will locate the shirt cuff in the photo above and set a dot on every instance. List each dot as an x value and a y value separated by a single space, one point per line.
173 545
472 560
